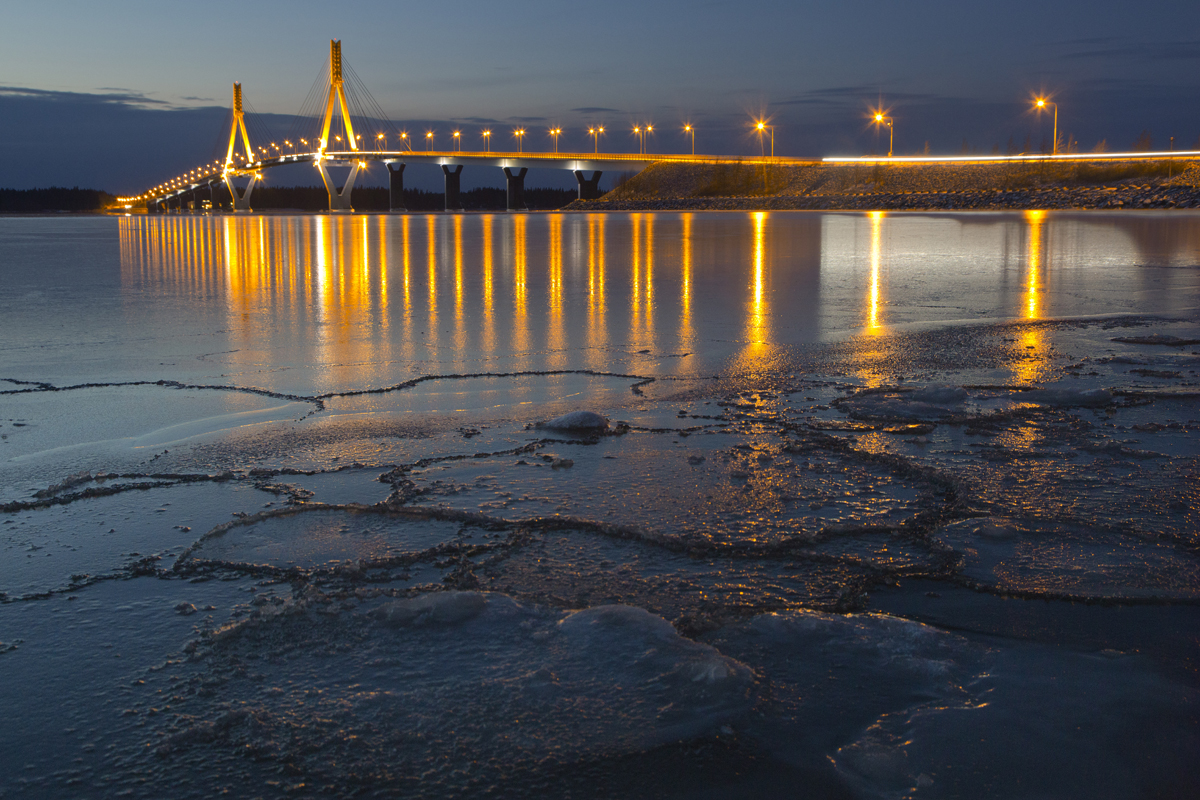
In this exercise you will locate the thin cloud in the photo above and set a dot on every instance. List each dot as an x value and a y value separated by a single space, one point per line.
114 97
1187 50
596 110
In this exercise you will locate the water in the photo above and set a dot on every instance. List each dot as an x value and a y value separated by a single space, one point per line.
896 505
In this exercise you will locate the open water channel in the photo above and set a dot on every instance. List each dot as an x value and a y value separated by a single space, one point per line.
886 506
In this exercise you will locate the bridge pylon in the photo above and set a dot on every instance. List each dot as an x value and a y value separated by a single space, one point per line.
335 102
241 200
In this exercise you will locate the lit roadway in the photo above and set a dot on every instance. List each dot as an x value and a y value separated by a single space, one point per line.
614 161
513 160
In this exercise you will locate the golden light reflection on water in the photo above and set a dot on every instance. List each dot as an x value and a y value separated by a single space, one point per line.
520 278
757 329
686 333
556 333
1035 220
597 330
1031 361
489 283
431 278
530 290
757 350
874 326
460 325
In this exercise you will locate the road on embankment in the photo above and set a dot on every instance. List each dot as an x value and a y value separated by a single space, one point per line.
1038 184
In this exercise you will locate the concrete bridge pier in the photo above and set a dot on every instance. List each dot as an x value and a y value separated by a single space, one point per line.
241 200
453 187
339 199
516 189
395 185
589 188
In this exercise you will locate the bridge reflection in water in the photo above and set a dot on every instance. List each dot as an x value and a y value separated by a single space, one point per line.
367 301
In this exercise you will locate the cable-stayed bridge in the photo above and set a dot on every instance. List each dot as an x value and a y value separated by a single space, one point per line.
353 131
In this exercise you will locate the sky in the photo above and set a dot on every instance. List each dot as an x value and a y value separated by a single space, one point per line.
120 95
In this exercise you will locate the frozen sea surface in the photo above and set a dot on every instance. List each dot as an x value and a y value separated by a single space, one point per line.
887 506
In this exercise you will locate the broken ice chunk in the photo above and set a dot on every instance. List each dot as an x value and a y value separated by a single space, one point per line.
577 421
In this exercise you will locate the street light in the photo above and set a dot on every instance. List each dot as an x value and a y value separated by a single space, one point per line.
487 139
458 140
428 140
407 142
691 129
881 119
595 134
1040 103
762 126
520 134
380 142
556 132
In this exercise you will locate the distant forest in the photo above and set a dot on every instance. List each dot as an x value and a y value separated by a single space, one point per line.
56 198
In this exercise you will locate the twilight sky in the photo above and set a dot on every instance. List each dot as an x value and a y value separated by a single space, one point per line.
121 94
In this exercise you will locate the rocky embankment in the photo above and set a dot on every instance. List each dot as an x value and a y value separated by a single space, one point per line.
1028 185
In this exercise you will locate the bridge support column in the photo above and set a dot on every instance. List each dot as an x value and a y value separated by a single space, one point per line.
516 189
453 187
589 188
241 200
339 199
396 186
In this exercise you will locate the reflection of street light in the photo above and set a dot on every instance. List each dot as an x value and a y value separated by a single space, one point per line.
428 140
520 134
691 129
487 138
1040 103
556 132
595 134
760 126
881 119
458 140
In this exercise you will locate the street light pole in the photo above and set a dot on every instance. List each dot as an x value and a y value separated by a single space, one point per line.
880 118
760 127
1042 103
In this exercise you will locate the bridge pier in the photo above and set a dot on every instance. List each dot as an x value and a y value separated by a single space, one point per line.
241 200
516 189
589 188
339 199
395 186
453 187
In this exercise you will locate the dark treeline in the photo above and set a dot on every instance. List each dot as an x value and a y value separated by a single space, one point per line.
371 198
55 198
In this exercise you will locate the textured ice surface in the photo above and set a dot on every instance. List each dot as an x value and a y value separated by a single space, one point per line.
909 710
51 548
467 685
321 539
1049 558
